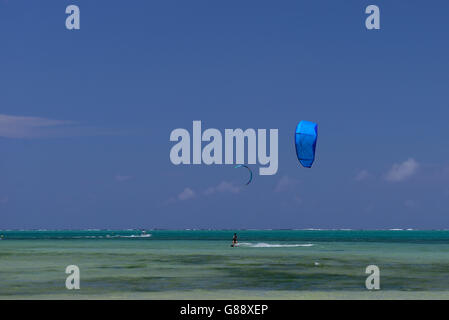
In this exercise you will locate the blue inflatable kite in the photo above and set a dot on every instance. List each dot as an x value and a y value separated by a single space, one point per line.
305 141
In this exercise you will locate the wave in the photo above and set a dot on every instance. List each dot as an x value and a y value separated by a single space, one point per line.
136 236
146 235
268 245
108 236
318 229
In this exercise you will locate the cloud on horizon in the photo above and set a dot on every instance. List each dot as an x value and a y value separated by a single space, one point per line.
410 203
27 127
121 178
186 194
362 175
223 187
20 127
402 171
287 187
285 183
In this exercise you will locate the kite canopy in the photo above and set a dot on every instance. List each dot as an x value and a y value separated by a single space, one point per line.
305 140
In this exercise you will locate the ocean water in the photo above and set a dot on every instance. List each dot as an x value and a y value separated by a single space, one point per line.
201 264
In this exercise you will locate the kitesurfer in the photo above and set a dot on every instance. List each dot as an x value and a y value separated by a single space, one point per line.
234 240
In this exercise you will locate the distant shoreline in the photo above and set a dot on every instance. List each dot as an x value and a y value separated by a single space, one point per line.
193 229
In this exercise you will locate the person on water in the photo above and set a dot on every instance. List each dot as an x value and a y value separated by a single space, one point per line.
234 240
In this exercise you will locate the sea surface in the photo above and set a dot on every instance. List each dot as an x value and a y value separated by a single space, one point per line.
201 264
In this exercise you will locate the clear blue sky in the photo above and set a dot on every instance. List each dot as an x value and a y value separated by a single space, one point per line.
85 116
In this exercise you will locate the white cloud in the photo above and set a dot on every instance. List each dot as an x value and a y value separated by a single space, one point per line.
362 175
288 185
402 171
297 199
121 178
223 187
410 204
285 183
186 194
27 127
18 127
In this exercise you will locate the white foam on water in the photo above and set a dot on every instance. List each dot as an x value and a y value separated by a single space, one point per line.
136 236
269 245
108 236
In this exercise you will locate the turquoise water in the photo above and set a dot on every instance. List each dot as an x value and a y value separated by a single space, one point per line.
201 263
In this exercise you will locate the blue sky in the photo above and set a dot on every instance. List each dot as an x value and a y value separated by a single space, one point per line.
86 115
